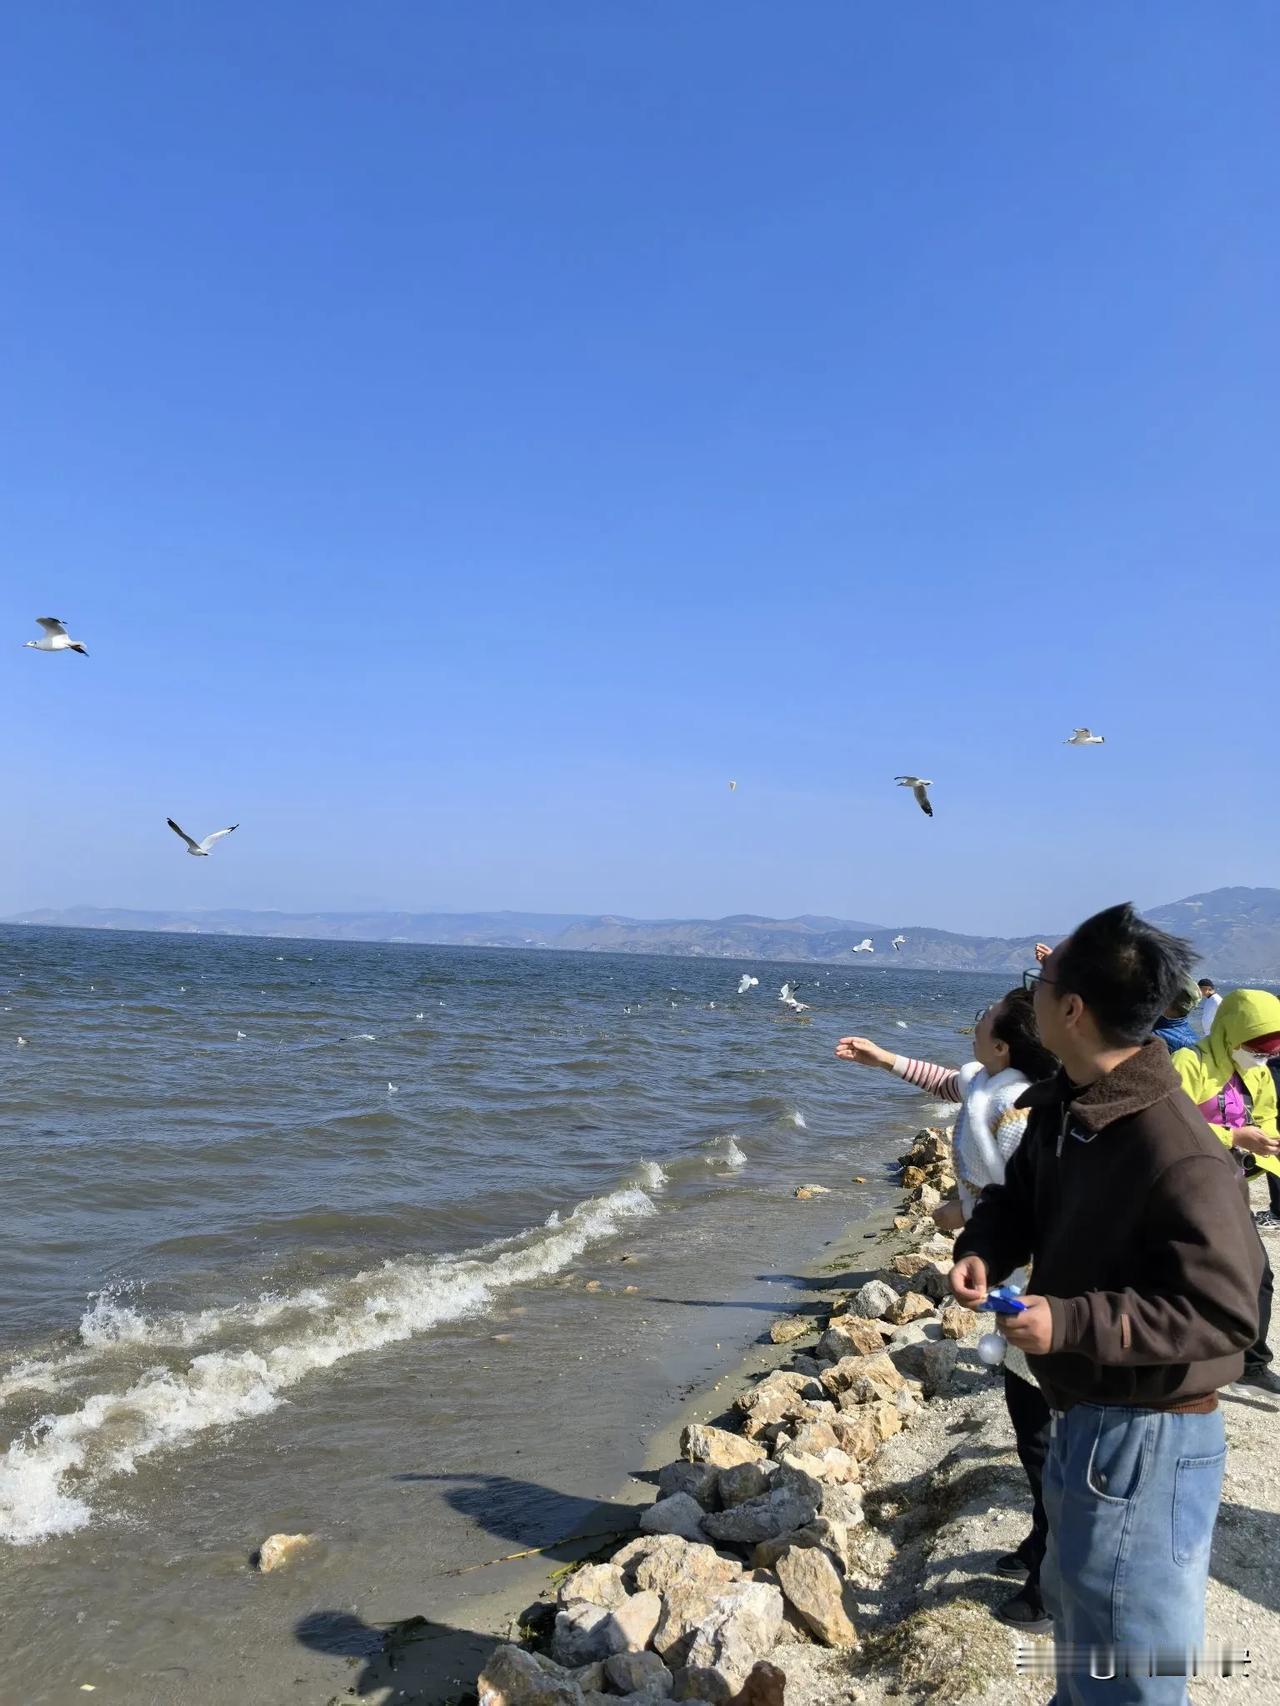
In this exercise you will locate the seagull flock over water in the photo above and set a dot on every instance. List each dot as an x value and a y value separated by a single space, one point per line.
55 638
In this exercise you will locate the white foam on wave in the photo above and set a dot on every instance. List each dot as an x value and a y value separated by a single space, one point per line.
652 1177
945 1111
727 1152
48 1476
798 1119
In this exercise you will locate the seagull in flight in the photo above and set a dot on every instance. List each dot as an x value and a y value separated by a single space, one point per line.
56 638
865 946
918 786
733 787
899 943
1085 737
746 982
787 997
199 849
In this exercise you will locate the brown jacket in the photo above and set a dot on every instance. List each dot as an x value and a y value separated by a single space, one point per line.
1142 1242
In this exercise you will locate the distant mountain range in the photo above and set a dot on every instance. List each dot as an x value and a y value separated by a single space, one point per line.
1237 932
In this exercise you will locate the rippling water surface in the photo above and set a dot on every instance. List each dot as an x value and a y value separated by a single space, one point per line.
284 1219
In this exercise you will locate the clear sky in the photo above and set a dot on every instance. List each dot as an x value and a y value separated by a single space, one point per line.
466 436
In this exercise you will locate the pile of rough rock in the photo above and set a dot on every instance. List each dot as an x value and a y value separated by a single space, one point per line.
749 1542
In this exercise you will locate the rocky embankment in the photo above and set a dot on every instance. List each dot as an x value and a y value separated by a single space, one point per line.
749 1570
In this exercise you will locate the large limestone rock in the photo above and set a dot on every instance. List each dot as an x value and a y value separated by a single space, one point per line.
849 1335
585 1634
700 1480
939 1366
830 1466
863 1428
664 1560
677 1515
812 1584
865 1378
911 1306
640 1673
906 1347
874 1299
959 1322
596 1584
741 1628
826 1532
776 1511
933 1282
718 1447
744 1481
684 1605
911 1262
783 1380
813 1437
512 1677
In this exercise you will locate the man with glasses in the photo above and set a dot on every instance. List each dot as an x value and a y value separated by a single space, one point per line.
1146 1270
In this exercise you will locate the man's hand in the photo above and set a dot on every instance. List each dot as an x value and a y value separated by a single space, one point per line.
862 1052
1043 950
1031 1329
968 1280
1256 1141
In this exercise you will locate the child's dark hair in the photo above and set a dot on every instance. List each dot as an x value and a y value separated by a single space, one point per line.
1014 1025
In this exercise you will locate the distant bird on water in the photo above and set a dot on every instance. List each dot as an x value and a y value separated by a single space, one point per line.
56 638
865 946
1085 737
917 785
899 943
199 849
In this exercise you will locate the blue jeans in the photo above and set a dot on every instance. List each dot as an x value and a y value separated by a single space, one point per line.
1132 1497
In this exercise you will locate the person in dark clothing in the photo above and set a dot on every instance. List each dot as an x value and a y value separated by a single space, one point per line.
1146 1267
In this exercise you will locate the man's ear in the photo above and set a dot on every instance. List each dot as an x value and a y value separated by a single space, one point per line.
1072 1011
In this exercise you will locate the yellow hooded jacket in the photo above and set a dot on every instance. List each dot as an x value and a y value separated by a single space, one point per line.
1243 1015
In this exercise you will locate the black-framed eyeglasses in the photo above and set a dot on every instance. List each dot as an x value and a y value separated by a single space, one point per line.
1031 978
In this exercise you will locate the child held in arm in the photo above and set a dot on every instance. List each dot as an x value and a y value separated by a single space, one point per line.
989 1127
1008 1057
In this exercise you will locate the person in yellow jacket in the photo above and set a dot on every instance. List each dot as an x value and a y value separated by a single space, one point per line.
1228 1075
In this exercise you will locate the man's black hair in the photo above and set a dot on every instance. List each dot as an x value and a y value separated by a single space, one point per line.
1125 971
1205 983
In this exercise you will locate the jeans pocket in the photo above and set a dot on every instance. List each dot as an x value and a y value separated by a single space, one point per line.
1118 1455
1197 1488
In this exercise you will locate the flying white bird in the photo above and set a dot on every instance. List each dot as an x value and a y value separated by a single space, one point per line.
787 997
56 638
1084 737
899 943
865 946
392 1089
733 787
746 982
917 785
199 849
240 1036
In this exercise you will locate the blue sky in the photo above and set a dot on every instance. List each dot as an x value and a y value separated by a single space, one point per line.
467 436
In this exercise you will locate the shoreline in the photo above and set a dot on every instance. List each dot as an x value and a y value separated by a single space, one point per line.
941 1497
436 1664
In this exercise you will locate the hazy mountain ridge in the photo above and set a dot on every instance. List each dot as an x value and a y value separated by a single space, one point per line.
1236 930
